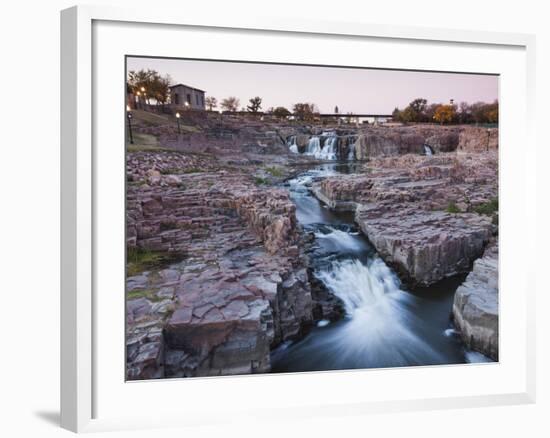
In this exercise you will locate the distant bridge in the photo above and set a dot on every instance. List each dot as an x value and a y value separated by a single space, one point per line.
374 116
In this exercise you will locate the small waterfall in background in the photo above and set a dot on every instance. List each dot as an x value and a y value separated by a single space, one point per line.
351 152
313 146
291 142
329 151
326 146
428 150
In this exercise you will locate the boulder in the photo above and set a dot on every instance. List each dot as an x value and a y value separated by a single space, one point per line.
475 307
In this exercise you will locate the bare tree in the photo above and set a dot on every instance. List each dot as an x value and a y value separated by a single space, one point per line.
230 104
211 102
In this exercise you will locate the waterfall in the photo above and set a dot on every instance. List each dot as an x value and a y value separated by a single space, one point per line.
360 286
351 152
291 143
329 150
313 146
428 150
379 317
326 146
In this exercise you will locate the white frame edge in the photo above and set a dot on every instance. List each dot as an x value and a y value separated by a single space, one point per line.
77 197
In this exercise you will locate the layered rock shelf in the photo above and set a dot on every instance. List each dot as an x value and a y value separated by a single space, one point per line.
401 204
424 246
475 308
240 288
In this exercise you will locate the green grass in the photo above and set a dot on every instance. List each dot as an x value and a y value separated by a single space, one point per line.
487 208
145 143
452 208
192 170
143 293
275 171
139 260
259 181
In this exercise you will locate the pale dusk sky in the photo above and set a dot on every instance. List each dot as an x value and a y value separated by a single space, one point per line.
353 90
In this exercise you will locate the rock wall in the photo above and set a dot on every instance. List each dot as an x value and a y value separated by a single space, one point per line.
474 139
240 288
405 140
475 308
388 141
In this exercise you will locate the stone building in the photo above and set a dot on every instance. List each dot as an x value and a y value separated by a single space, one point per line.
185 96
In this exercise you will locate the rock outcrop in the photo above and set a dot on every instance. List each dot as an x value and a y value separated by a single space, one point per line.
420 212
424 246
383 141
238 285
474 139
475 308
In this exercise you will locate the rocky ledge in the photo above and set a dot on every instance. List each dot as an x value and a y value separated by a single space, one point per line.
422 213
475 308
424 246
234 283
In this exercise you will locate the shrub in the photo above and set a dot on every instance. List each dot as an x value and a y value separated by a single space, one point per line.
260 181
488 208
275 171
452 208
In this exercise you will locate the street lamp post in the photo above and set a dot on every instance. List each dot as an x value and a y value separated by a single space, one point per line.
221 119
178 120
129 116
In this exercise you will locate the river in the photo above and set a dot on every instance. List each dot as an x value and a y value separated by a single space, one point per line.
386 325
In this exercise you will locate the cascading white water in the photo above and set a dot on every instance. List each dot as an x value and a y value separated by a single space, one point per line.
428 150
351 152
378 314
292 146
359 285
329 151
313 146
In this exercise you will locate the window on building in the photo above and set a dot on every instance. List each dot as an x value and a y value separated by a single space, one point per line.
189 99
197 98
176 98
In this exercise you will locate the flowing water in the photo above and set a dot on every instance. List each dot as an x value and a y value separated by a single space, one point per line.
385 324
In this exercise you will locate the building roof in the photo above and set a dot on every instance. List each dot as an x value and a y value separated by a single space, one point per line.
187 86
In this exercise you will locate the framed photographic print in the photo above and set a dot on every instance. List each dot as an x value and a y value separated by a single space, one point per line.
326 210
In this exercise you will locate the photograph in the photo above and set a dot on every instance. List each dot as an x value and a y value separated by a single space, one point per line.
289 218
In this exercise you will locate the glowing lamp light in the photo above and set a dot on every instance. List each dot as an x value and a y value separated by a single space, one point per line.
128 108
177 115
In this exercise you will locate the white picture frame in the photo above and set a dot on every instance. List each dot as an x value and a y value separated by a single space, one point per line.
83 392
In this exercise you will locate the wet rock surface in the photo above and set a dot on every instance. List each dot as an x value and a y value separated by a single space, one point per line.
475 308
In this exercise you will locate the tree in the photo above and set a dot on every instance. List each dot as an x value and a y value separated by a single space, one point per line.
305 111
160 88
464 112
396 115
255 104
418 107
230 104
211 102
147 84
445 114
281 112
